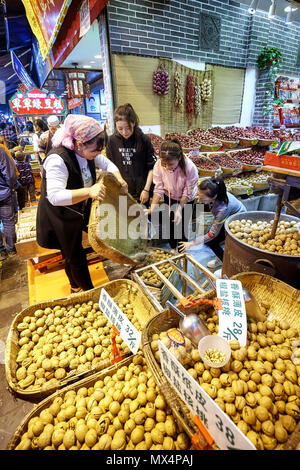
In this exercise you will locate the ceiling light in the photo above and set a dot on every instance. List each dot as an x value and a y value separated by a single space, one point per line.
272 9
97 56
92 61
253 7
289 8
87 66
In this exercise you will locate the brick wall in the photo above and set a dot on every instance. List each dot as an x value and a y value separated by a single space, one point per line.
170 28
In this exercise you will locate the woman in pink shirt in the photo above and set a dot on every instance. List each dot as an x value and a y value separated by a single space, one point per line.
175 178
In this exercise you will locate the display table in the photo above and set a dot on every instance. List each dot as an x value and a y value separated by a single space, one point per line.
284 182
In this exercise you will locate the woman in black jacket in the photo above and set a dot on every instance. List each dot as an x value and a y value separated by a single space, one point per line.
132 152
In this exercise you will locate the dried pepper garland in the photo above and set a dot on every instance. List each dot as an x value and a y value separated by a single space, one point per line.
190 95
160 81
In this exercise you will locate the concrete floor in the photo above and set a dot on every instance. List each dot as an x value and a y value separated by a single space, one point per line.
14 297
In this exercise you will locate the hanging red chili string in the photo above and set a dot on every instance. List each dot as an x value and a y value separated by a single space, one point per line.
190 95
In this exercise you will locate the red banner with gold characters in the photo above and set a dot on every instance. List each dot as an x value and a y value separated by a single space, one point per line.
36 102
45 18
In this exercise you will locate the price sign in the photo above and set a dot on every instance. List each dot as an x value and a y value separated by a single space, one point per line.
232 316
225 433
129 334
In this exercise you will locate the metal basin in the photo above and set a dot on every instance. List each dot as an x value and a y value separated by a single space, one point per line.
241 257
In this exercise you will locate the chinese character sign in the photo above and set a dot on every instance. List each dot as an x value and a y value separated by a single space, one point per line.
225 433
36 102
130 335
232 316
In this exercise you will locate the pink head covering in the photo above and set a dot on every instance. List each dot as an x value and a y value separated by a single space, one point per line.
76 127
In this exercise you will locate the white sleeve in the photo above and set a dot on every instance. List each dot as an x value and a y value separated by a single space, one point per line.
57 177
103 163
35 142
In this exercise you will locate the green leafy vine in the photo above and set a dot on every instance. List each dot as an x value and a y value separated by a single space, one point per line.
269 59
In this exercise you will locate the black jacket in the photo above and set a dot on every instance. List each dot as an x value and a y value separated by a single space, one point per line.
57 226
134 158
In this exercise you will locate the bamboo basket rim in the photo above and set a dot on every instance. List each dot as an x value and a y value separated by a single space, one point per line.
161 318
251 141
92 294
98 245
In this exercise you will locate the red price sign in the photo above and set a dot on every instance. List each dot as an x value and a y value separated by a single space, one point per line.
36 102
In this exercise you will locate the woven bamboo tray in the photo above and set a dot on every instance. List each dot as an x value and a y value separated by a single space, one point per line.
210 148
266 142
116 289
119 248
285 304
228 170
244 142
230 144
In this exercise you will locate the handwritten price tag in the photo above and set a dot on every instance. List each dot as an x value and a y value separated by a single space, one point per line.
225 433
129 334
232 316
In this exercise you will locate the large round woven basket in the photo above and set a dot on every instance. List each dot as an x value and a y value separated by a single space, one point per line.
284 302
88 383
110 224
116 289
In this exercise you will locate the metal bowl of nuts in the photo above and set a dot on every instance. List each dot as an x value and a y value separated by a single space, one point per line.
214 351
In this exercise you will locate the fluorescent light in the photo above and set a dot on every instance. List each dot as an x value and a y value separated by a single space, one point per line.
92 61
289 17
87 66
253 7
97 56
272 9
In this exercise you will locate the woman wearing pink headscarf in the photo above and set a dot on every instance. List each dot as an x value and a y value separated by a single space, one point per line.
68 187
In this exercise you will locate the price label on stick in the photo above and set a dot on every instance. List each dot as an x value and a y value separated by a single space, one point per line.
232 316
129 334
225 433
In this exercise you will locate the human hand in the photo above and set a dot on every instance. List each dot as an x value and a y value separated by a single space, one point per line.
97 191
184 246
124 187
147 212
178 215
144 197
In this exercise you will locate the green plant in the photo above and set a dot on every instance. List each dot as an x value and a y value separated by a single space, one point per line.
269 57
269 60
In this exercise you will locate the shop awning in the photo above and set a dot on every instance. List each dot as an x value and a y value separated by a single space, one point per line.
69 35
45 18
56 24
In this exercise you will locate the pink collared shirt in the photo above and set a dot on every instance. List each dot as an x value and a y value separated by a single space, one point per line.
175 184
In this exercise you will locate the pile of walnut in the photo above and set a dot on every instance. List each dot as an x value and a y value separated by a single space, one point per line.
260 386
124 411
149 276
258 234
63 340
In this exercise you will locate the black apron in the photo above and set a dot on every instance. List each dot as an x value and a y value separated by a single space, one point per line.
58 226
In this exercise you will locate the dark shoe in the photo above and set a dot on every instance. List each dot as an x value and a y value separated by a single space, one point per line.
76 290
3 255
11 253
